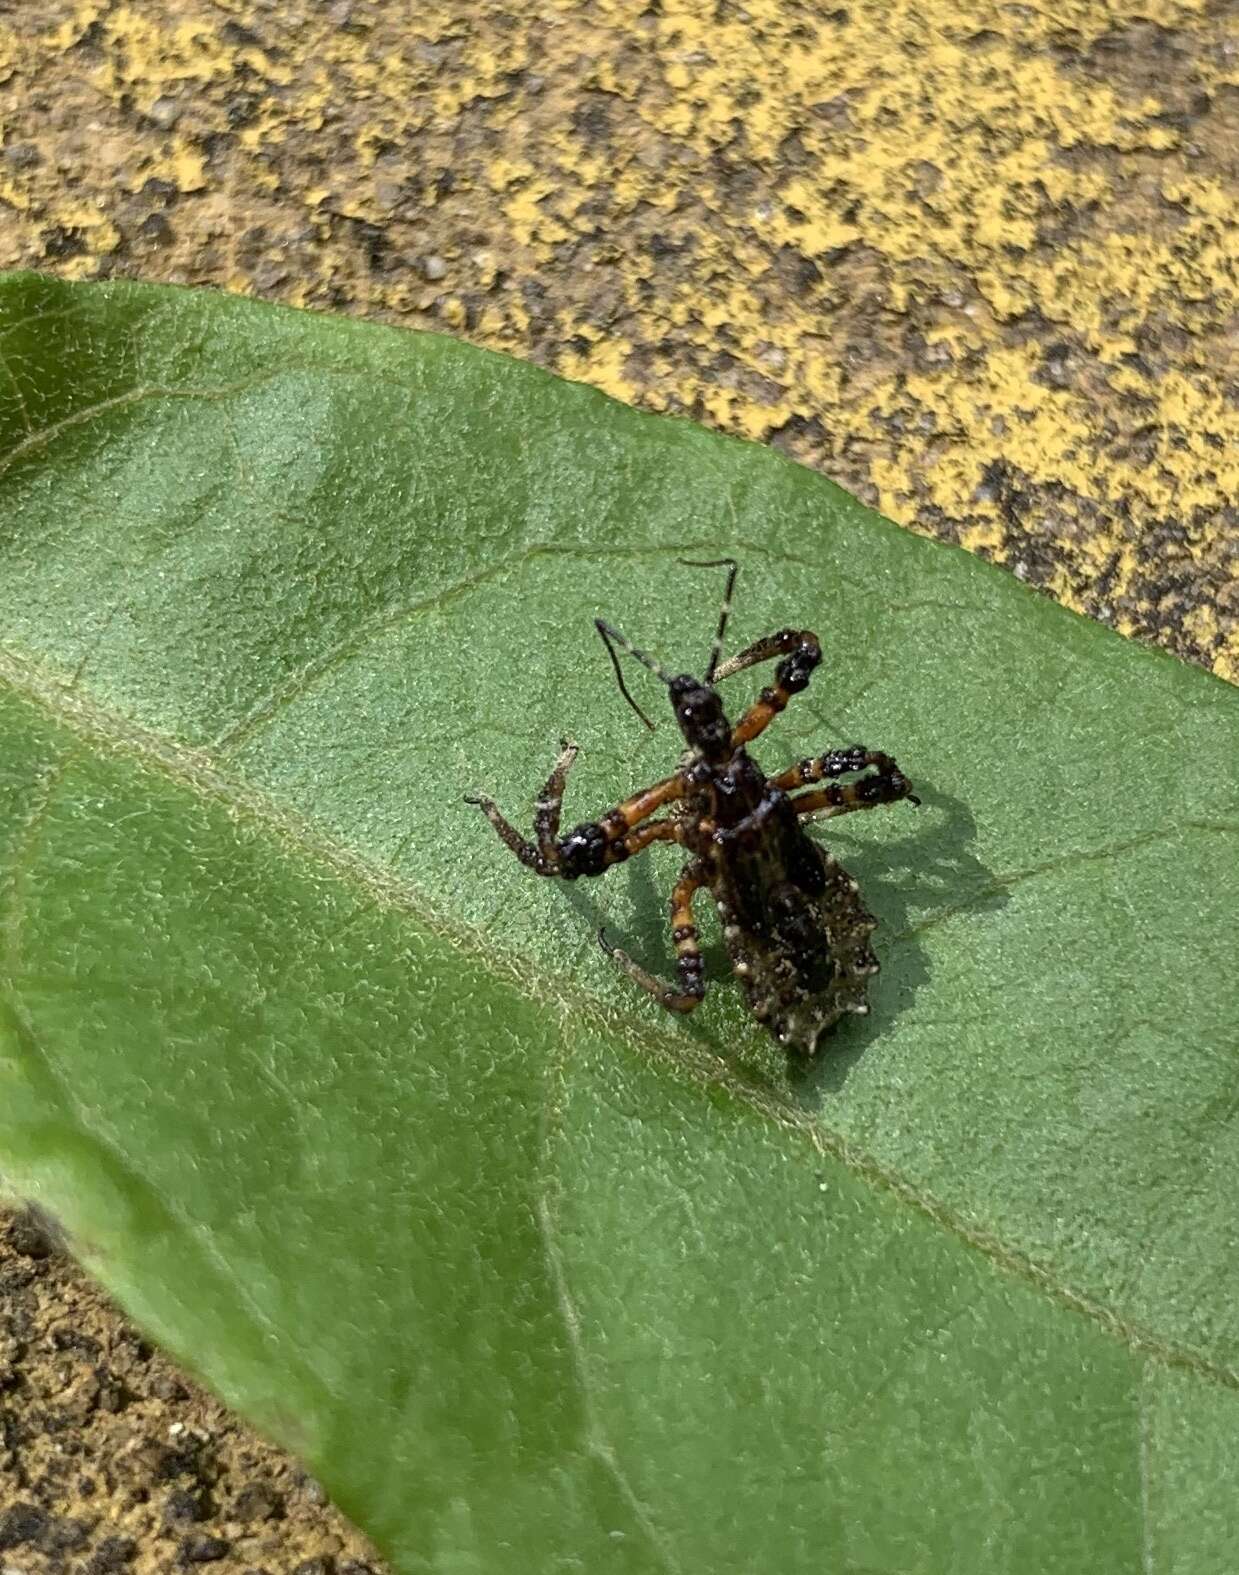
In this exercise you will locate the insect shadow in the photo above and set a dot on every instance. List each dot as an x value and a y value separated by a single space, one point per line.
929 868
927 873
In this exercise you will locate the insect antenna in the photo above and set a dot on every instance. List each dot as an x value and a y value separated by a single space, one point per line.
608 634
716 650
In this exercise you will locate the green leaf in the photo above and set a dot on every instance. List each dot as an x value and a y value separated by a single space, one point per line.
353 1114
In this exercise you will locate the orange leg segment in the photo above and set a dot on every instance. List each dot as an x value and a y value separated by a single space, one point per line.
801 651
691 969
885 783
593 846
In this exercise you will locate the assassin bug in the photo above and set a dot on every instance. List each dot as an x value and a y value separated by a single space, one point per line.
795 928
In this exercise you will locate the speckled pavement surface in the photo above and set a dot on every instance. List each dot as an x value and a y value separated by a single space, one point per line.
978 263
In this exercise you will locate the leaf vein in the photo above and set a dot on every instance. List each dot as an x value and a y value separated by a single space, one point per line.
196 770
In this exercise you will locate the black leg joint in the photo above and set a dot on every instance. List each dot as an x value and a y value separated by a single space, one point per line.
583 851
793 671
840 761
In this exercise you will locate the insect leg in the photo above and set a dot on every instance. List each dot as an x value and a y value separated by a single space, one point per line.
640 839
885 784
595 845
692 983
541 855
801 652
592 847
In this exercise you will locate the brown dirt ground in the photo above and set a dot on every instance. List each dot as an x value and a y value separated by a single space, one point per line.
110 1460
978 263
